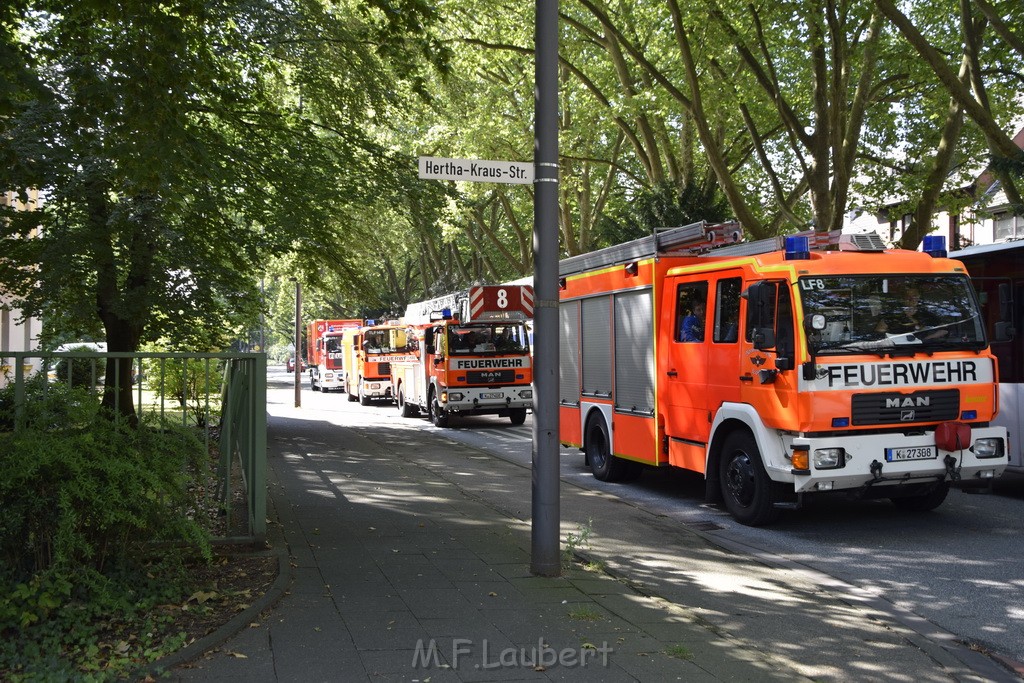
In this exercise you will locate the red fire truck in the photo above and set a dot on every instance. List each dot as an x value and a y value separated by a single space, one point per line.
323 352
469 355
777 371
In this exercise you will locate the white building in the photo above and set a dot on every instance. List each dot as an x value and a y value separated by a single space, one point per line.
16 332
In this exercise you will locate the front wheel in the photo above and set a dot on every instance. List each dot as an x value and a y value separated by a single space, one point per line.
746 487
364 400
438 415
517 416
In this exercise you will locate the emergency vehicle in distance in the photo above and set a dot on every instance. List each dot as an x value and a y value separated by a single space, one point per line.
367 354
323 352
469 355
809 372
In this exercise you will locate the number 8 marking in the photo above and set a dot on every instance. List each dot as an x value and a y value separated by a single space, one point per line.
502 298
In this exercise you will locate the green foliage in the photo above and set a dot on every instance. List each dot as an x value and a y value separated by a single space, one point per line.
663 206
80 372
194 384
83 491
97 520
180 145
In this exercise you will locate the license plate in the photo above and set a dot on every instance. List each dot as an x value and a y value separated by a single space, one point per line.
911 453
492 394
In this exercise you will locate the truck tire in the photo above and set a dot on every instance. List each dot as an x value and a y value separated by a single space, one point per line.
597 446
517 416
746 487
438 415
312 383
405 409
352 398
364 400
924 502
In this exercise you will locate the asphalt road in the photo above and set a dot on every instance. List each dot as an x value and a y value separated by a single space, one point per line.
961 567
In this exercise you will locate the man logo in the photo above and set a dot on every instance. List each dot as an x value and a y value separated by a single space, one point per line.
907 415
908 402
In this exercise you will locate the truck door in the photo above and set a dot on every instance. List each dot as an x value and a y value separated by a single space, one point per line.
768 352
684 370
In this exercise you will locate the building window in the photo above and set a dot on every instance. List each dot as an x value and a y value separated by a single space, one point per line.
1007 226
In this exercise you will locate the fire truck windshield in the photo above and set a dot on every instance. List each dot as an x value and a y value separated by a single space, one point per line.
500 338
880 313
378 341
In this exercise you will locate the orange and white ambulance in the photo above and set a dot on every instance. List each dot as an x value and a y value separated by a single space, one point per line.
470 355
324 354
778 371
368 353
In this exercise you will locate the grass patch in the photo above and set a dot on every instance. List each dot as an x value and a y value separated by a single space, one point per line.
585 614
679 652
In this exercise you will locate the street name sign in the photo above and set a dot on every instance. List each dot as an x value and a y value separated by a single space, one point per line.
476 170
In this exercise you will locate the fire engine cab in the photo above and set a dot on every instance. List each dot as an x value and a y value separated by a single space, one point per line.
777 370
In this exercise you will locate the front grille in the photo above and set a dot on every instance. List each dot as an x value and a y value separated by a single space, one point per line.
896 408
491 377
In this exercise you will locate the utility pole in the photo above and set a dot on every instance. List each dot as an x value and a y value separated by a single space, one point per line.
298 342
546 517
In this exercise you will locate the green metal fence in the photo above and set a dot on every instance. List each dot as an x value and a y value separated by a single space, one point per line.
224 395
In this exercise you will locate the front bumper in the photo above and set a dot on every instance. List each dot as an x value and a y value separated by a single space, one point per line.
865 464
376 388
483 400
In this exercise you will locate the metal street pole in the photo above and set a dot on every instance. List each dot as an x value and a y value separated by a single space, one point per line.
298 342
546 518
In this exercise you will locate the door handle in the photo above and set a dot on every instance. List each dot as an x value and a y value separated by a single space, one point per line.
746 378
672 373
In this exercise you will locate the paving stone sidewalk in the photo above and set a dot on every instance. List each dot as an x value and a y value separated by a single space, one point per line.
409 556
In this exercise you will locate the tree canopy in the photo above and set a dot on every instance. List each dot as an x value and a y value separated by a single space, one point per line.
188 150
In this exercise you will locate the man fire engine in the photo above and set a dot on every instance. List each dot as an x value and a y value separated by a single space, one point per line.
806 372
368 353
475 361
323 351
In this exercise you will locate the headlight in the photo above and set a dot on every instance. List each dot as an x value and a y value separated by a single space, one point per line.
988 447
526 393
455 396
829 458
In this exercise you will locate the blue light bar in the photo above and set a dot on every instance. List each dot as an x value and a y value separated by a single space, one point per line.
797 247
934 246
371 322
446 313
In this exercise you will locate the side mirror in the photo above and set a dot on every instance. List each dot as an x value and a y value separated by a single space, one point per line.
1004 331
761 314
763 338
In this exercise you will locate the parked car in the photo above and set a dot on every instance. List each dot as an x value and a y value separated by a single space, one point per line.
290 365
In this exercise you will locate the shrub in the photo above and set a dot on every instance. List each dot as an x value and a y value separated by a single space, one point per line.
89 506
80 490
82 372
193 383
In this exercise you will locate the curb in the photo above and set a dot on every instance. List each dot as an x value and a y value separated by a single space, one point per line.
221 634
